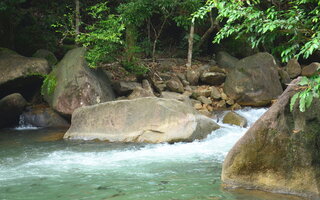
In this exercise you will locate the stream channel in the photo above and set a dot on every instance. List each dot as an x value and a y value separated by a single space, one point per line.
36 164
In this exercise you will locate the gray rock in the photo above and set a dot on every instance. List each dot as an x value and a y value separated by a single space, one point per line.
293 68
213 78
254 82
14 66
77 85
311 69
149 120
204 100
193 76
280 151
175 85
41 116
225 60
140 93
215 93
48 55
124 88
177 96
11 108
221 104
284 78
235 119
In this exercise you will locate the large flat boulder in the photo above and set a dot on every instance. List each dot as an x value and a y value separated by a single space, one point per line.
19 74
14 66
150 120
77 85
280 152
254 81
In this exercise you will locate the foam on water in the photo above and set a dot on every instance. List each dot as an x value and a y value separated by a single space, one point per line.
23 125
214 148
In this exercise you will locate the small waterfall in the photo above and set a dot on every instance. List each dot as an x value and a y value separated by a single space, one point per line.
23 125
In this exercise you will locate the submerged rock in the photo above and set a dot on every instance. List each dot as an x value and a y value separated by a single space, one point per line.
11 107
280 152
235 119
151 120
77 85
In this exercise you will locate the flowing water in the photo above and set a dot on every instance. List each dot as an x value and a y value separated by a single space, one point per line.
36 164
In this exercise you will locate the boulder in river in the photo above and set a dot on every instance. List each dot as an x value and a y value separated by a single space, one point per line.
235 119
280 152
43 116
150 120
77 85
11 107
254 81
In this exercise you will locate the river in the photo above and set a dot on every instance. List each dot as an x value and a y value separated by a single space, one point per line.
36 164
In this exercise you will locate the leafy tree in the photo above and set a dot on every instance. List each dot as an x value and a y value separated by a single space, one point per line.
103 37
286 28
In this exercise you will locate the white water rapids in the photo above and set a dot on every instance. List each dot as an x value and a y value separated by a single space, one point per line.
74 170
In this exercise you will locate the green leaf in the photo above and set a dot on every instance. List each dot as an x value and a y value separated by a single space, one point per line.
304 81
293 100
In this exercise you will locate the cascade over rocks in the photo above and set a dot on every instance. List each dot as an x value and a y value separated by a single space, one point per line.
77 85
280 152
254 81
11 107
42 116
151 120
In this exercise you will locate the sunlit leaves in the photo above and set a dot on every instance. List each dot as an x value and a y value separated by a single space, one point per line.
290 32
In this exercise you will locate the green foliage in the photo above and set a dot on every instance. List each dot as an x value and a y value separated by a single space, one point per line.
103 37
49 85
289 29
65 25
310 88
134 67
9 4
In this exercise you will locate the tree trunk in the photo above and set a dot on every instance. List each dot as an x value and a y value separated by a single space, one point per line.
190 47
213 25
77 24
131 37
156 37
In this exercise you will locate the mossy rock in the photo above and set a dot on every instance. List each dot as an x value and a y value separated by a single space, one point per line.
48 55
280 152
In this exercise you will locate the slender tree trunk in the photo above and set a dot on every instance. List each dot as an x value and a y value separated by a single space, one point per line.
156 37
130 42
149 38
190 47
77 24
213 25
